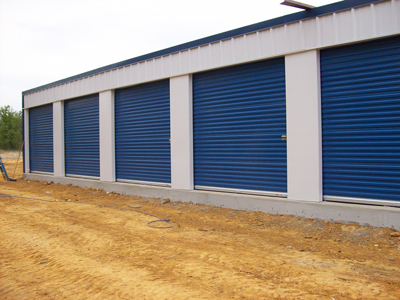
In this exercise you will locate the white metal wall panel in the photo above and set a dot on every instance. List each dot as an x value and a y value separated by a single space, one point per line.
366 22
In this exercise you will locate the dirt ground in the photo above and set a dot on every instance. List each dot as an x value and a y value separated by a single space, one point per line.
70 250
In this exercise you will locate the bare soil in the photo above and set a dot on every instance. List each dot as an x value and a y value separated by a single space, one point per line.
10 159
70 250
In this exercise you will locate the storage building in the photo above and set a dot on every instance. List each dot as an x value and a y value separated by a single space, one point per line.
294 115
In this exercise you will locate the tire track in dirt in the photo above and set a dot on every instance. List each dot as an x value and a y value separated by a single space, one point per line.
79 271
215 261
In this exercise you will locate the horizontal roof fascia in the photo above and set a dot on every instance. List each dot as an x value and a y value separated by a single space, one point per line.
315 12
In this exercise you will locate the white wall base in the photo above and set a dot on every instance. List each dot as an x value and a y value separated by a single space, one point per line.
366 215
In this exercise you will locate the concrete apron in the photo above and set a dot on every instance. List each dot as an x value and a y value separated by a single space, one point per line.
365 215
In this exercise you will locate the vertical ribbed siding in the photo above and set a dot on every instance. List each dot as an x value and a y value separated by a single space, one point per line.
239 116
361 120
142 133
81 129
41 139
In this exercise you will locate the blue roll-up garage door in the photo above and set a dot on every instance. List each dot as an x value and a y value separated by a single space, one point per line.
142 133
239 116
361 121
41 139
81 129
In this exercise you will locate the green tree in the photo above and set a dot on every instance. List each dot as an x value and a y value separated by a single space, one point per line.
10 128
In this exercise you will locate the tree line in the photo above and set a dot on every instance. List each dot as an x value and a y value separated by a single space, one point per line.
10 128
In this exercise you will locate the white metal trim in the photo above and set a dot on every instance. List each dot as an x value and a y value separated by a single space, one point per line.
82 176
303 126
181 112
107 135
58 139
144 182
42 173
362 201
240 191
26 143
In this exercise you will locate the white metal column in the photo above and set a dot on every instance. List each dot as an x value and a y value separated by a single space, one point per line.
58 139
304 137
107 136
181 132
26 138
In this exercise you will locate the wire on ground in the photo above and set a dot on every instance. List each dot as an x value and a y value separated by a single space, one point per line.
99 204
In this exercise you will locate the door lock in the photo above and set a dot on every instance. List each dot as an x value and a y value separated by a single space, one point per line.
284 137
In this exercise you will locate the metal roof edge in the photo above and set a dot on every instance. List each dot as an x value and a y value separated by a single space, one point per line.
315 12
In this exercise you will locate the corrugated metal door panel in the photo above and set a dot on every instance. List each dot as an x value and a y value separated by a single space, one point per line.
81 121
142 133
360 87
239 116
41 139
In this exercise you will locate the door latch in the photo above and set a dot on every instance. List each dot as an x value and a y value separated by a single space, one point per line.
284 137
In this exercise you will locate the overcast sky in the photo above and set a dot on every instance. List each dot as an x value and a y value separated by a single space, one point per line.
42 41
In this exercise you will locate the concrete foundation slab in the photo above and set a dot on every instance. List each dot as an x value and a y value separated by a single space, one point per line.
366 215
